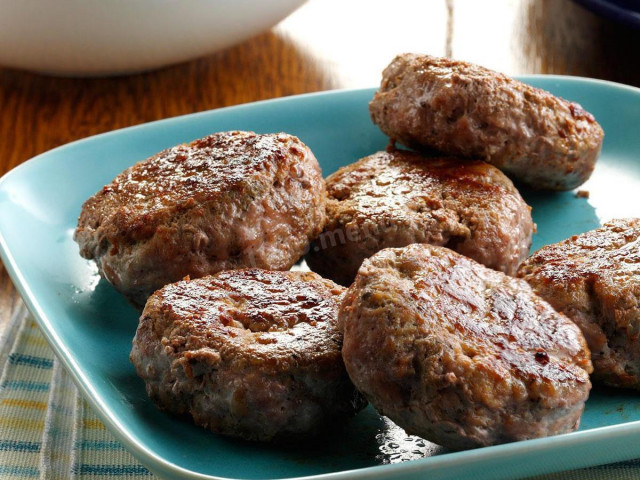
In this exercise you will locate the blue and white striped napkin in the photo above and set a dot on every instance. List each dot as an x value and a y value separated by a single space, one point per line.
48 431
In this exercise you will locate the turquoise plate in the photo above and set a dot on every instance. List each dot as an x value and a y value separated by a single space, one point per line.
90 326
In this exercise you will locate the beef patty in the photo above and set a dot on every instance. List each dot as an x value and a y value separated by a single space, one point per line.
229 200
248 353
460 354
464 109
393 199
594 278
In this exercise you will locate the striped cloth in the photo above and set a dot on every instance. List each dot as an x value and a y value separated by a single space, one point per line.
48 431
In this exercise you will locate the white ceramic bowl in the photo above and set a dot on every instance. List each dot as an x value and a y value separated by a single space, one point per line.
100 37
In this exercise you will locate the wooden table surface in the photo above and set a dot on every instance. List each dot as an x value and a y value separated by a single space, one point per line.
326 44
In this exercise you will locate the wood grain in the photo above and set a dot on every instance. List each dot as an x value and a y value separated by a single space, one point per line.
326 44
545 36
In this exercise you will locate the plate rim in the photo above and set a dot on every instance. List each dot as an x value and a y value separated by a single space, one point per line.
159 465
525 78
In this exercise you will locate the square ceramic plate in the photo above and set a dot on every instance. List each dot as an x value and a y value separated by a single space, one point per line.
90 326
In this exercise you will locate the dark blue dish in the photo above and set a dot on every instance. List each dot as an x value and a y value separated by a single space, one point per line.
623 11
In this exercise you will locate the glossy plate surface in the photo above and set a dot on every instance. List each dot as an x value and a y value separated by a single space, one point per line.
90 326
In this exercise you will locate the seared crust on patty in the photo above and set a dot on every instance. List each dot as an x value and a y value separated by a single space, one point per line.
248 353
460 354
594 278
393 199
229 200
464 109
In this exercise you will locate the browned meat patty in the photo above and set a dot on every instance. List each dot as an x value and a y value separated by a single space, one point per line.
594 278
460 354
248 353
229 200
398 198
464 109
